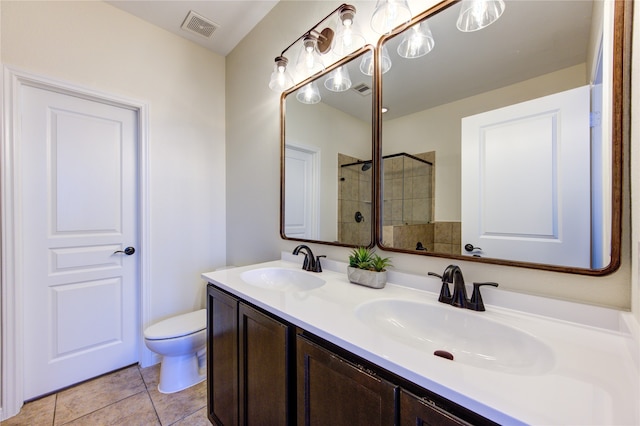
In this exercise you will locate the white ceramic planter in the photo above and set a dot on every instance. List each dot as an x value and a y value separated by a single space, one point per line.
367 278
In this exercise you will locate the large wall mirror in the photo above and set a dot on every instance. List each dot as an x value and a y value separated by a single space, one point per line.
327 152
505 144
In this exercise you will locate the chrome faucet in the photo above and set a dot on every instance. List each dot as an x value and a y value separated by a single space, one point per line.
453 274
310 263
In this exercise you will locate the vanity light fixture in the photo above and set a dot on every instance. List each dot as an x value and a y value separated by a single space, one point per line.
280 77
478 14
338 80
366 65
384 109
348 37
417 41
344 40
389 14
309 94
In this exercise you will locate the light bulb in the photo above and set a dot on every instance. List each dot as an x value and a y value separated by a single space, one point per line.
348 37
338 80
416 42
280 78
478 14
309 62
309 94
389 14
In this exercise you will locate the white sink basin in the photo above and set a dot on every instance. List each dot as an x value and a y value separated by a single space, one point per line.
464 334
282 279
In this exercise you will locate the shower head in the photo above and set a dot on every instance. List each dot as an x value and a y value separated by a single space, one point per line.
366 166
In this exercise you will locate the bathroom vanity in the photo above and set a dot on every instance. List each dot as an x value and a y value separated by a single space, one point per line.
282 374
288 346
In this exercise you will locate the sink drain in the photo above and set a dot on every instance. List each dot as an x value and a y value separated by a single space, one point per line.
444 354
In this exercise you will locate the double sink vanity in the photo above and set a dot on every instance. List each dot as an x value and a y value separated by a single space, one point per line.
463 153
298 347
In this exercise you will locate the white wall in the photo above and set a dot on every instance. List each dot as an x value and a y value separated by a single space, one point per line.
94 45
331 132
253 206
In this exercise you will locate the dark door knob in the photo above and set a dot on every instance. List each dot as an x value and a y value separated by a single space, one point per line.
470 247
128 251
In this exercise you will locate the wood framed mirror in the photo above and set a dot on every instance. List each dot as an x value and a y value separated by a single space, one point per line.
504 145
327 178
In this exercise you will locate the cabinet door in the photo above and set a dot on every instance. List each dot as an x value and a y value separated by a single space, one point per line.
415 411
264 372
222 357
332 391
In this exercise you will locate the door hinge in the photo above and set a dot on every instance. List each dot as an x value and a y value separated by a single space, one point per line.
595 119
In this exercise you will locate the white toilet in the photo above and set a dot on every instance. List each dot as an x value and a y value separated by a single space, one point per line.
181 340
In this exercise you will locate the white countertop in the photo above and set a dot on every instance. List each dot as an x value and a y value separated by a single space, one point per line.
593 376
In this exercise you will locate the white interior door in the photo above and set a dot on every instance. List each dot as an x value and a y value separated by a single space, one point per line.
526 181
78 190
301 181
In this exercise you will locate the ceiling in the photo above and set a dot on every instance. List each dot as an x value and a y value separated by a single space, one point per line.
234 19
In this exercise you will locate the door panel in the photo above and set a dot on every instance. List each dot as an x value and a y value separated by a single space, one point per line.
70 337
300 210
94 204
78 179
540 148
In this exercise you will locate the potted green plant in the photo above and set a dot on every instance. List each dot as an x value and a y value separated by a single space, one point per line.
367 268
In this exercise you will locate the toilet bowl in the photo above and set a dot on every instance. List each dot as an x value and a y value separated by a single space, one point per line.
181 340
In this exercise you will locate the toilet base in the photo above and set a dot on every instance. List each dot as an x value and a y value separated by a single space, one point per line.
179 372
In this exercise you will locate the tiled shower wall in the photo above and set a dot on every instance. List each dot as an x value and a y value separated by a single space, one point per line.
408 190
439 237
409 203
354 195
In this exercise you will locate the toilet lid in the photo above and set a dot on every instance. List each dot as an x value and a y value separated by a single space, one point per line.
180 325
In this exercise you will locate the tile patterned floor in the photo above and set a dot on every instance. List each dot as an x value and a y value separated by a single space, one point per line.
125 397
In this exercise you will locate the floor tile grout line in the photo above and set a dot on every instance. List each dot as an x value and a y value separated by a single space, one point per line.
146 386
55 406
109 404
103 407
186 415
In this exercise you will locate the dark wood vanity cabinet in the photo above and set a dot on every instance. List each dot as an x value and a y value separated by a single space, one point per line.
265 376
249 372
222 357
262 370
333 391
416 411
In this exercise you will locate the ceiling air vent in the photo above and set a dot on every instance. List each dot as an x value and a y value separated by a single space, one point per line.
363 89
198 24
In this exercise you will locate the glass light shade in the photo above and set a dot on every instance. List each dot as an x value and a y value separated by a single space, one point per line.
390 14
338 80
366 65
309 61
416 42
280 78
478 14
309 94
348 37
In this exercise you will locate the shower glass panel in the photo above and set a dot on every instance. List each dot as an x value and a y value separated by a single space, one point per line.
408 195
354 200
408 201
